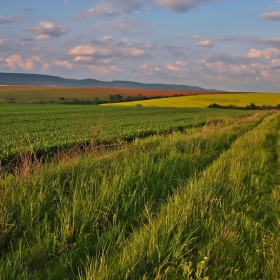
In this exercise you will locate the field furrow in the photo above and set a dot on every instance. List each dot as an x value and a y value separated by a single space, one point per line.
223 223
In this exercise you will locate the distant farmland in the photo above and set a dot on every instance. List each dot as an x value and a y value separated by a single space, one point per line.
203 101
30 94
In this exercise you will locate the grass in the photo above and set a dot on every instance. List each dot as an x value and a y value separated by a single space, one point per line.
223 222
203 101
191 204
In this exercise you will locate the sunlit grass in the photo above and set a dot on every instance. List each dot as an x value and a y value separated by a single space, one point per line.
137 211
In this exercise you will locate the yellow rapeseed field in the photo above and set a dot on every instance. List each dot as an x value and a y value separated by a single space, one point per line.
203 101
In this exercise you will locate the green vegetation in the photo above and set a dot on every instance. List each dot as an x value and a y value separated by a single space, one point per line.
44 128
252 106
196 198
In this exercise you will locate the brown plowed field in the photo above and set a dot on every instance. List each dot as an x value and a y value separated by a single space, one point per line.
33 93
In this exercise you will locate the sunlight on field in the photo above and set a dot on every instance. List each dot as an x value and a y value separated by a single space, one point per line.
202 101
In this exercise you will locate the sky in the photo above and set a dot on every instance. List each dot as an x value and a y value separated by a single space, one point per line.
231 45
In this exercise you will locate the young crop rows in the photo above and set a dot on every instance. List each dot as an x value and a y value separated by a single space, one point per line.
44 128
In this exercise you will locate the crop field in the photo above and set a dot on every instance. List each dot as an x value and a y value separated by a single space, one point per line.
184 194
203 101
31 94
47 127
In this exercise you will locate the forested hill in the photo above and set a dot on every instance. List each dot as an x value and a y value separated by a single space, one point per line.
46 80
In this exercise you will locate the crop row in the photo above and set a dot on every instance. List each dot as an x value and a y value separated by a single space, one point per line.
44 127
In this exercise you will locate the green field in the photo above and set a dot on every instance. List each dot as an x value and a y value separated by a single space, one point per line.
203 101
47 127
185 193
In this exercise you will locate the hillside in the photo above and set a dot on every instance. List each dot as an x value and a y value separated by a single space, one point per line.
46 80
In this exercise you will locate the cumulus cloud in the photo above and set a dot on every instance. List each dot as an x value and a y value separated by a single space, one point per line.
47 30
243 69
179 6
204 43
97 11
104 70
4 20
148 69
82 58
177 70
106 39
16 61
89 50
177 67
268 53
64 63
106 47
271 15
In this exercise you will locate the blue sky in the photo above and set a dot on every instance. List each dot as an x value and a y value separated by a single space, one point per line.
222 44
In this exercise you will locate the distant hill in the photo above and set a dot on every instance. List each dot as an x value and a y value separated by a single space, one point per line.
46 80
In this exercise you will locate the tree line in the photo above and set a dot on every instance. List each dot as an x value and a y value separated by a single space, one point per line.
252 106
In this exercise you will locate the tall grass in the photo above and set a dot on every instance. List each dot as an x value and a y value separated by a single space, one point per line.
223 224
122 213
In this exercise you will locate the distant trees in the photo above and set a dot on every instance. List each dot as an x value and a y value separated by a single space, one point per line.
112 98
252 106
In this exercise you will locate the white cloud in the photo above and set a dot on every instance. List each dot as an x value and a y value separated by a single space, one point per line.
204 43
97 11
149 69
89 50
105 51
177 67
103 70
47 30
16 60
82 58
106 39
178 70
271 16
217 66
64 63
268 53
